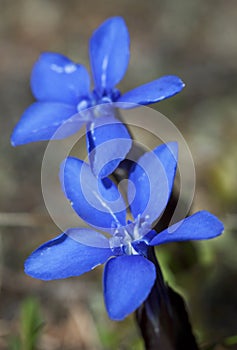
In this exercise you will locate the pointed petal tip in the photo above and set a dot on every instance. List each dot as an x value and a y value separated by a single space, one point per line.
68 255
12 141
34 272
17 139
31 273
109 53
175 79
114 19
211 221
214 219
175 82
44 121
200 226
152 92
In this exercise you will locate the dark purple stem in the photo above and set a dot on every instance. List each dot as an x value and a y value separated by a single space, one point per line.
163 318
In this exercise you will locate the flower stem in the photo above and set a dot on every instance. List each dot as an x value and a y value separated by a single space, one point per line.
163 318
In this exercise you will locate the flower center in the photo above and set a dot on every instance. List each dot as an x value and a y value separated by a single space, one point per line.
123 237
102 103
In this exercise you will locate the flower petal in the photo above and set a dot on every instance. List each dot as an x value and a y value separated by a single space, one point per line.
108 142
109 53
201 225
88 237
44 121
96 201
55 78
153 178
127 283
64 257
153 91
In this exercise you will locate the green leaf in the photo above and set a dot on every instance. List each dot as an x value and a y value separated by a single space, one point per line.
30 324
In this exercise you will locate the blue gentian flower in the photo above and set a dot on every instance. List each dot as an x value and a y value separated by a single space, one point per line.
128 274
62 90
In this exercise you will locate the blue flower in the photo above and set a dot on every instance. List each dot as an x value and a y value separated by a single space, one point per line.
128 274
62 90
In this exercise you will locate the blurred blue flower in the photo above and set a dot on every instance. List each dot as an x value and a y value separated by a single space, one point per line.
128 274
62 90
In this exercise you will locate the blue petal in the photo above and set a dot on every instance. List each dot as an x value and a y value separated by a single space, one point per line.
109 53
153 178
127 283
55 78
96 201
44 121
152 92
201 225
142 245
64 257
88 237
108 142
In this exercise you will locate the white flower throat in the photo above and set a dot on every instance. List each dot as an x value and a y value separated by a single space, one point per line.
124 236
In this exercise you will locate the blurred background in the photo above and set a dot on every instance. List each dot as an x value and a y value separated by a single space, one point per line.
194 39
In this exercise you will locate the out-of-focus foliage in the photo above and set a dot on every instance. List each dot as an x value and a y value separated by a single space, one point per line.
30 325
